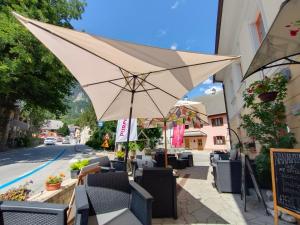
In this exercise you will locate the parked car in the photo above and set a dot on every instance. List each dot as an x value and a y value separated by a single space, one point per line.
59 139
66 140
50 141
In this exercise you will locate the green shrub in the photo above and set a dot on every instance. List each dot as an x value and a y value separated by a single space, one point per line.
120 155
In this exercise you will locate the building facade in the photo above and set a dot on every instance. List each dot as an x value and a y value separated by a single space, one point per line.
241 27
212 135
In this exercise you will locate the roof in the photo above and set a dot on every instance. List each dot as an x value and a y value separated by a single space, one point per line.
214 103
52 125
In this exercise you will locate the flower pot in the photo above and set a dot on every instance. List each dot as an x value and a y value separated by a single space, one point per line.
74 174
53 187
268 96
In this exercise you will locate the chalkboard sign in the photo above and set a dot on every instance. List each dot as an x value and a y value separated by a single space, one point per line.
285 166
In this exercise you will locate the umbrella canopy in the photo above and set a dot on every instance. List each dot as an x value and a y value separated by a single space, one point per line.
109 70
118 75
282 41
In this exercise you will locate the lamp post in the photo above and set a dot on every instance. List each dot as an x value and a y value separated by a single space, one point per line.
239 140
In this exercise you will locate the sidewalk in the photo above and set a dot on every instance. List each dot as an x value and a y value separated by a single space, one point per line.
200 203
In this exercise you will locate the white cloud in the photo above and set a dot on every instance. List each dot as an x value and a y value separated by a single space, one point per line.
174 46
208 81
210 90
161 32
175 5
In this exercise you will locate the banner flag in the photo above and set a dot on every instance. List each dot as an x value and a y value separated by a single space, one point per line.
122 130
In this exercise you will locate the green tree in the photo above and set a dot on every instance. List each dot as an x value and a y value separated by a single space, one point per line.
28 71
64 130
88 118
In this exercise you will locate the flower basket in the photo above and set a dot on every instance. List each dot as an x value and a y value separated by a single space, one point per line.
53 187
268 96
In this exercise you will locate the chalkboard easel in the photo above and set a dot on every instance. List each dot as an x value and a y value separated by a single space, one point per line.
285 168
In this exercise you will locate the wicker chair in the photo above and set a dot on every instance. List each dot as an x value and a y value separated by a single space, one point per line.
161 184
188 156
227 175
104 163
112 199
32 213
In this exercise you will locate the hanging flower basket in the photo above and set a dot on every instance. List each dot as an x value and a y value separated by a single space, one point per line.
268 96
53 187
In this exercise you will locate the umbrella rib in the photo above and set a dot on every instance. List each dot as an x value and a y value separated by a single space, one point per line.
71 42
140 83
125 78
101 82
123 88
180 67
113 101
151 99
159 88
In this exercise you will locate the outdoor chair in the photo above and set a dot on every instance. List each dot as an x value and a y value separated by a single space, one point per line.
110 198
160 159
104 163
140 164
188 156
177 163
32 213
161 184
227 175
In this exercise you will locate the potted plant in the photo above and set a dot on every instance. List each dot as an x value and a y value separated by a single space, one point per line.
75 167
20 193
133 147
120 155
267 89
54 182
266 124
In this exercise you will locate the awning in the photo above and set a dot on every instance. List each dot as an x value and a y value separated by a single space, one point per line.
194 133
109 71
282 42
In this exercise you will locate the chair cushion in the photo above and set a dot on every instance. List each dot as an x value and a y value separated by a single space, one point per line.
105 200
144 163
118 217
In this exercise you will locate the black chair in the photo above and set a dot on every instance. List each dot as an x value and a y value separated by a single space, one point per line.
110 196
227 175
160 159
177 163
32 213
161 184
108 165
188 156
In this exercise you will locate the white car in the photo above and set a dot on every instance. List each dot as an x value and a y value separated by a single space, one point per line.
50 141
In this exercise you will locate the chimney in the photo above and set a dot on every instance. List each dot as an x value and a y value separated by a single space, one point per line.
213 91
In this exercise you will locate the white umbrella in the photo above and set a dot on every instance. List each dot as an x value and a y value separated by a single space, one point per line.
282 42
117 74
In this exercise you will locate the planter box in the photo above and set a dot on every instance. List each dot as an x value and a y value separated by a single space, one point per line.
268 96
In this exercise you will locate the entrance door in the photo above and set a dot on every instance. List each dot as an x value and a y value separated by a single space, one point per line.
200 144
187 142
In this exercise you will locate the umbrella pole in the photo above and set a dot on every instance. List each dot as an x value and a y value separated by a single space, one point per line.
129 122
166 150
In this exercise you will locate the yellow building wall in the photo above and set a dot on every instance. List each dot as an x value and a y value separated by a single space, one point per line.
292 102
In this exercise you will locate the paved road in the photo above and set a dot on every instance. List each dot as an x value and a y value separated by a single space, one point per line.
16 163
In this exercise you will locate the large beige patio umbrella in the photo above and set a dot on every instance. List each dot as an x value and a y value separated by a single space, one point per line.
125 80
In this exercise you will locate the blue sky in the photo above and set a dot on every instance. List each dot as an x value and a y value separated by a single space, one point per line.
177 24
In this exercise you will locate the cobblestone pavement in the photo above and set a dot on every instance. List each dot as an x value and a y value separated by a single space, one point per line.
200 203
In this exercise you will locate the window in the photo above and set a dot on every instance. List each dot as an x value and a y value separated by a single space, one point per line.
187 126
260 29
217 122
219 140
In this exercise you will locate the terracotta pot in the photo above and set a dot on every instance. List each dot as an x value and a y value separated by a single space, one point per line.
53 187
268 96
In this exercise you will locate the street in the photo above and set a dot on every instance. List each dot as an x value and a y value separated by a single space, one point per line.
36 164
